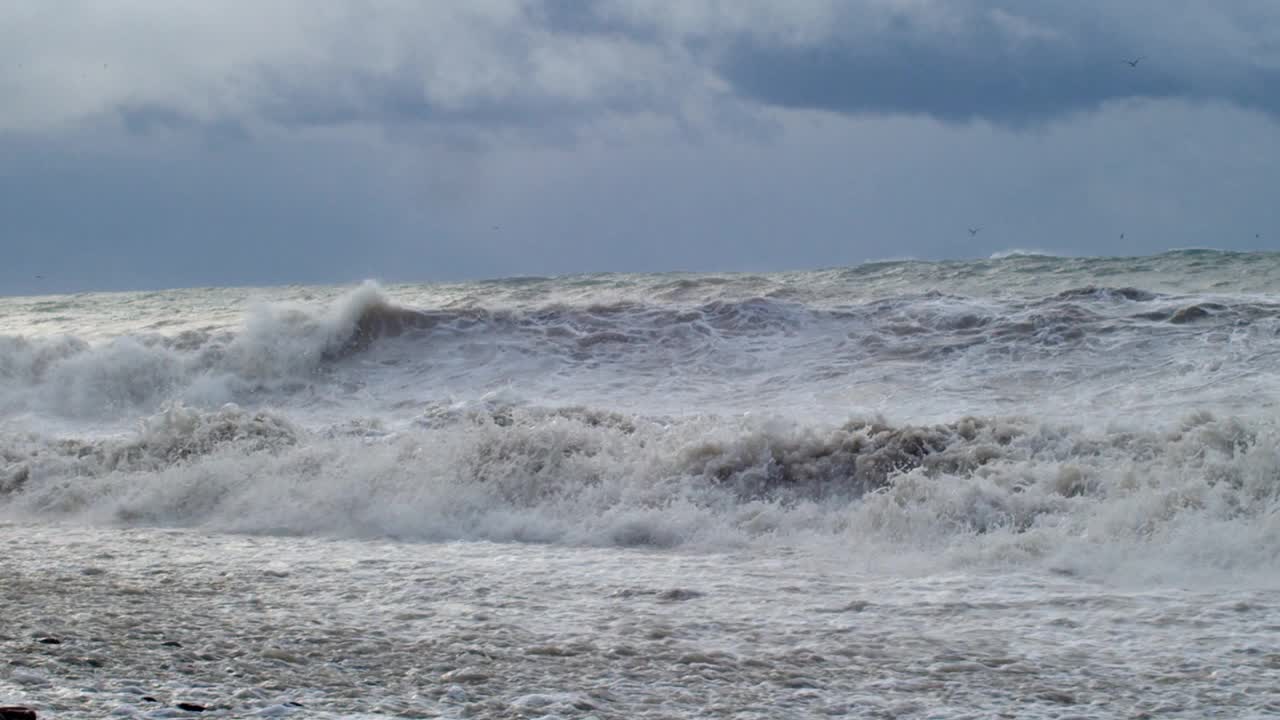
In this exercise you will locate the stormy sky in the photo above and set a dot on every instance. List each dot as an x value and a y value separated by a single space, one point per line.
154 144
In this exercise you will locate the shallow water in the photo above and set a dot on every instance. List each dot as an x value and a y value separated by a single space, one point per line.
385 629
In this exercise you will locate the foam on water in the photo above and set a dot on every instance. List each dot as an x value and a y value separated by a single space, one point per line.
255 626
278 344
927 355
1198 500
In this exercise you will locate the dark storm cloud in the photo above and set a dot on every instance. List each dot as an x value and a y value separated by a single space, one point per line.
588 17
1014 88
1029 63
401 97
150 118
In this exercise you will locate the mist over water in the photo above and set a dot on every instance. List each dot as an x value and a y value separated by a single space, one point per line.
1098 416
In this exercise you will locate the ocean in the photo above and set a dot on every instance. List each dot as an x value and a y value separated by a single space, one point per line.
1024 486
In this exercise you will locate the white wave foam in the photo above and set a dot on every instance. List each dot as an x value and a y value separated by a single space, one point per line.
1025 252
667 344
1198 501
280 343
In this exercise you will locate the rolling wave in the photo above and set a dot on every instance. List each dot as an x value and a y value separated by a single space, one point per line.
297 350
1007 489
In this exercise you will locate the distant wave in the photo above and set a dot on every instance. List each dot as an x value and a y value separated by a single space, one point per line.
1094 292
1021 252
290 348
1197 250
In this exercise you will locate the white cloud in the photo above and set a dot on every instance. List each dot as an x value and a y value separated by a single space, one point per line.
378 63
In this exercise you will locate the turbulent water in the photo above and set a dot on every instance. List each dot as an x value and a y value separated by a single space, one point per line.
1008 456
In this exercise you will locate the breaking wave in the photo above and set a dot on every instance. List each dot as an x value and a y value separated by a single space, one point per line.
977 490
279 346
284 350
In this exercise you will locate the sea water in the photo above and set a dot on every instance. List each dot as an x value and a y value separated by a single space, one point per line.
1030 486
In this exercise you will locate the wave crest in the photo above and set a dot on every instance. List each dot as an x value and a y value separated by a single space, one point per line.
994 488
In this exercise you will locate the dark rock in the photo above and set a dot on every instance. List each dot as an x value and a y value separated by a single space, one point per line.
148 698
294 703
16 712
50 641
171 643
191 707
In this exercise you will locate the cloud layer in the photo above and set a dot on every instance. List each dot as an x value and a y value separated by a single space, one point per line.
527 64
173 144
1022 64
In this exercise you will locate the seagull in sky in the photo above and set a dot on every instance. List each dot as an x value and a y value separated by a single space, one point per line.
974 231
1134 62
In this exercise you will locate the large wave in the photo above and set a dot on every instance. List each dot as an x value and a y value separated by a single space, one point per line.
1203 496
279 345
288 348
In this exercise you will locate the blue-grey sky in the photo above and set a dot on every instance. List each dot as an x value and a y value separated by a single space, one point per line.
157 144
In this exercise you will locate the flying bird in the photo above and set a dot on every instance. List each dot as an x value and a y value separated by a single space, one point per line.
974 231
1134 62
1121 236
